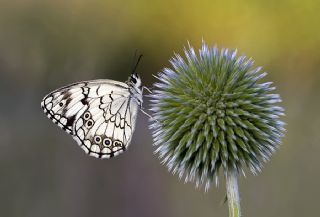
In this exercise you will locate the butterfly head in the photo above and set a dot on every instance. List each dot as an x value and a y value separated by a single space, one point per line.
135 80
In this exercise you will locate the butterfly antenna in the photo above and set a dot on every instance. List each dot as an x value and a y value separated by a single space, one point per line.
134 59
135 67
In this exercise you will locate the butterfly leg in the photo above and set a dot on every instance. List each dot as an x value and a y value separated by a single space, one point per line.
144 87
145 113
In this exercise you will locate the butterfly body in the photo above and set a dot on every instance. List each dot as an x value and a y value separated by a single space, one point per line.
99 114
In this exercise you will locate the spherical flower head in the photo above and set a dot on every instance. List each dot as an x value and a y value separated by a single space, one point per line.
211 111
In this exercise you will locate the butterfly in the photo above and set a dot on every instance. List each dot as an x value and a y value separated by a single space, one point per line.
99 114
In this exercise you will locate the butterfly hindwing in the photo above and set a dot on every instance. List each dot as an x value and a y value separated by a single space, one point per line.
102 133
99 114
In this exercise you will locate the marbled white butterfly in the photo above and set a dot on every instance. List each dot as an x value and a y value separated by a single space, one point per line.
99 114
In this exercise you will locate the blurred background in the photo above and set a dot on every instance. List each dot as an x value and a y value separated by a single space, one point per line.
47 44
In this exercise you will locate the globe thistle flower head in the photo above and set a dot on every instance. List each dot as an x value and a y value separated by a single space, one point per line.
212 112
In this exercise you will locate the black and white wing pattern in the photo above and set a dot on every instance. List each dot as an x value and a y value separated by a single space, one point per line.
99 114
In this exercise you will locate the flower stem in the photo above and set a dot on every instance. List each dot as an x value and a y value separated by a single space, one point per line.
233 194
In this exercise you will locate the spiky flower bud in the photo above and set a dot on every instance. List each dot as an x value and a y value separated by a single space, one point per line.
212 112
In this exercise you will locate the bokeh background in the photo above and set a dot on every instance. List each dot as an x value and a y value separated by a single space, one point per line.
46 44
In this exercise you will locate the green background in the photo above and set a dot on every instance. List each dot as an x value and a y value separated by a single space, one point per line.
47 44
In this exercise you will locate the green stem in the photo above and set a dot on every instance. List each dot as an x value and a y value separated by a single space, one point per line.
233 194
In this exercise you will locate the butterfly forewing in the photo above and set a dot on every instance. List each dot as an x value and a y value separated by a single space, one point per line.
100 115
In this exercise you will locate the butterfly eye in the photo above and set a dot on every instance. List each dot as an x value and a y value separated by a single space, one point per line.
87 115
97 139
133 80
107 142
89 123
